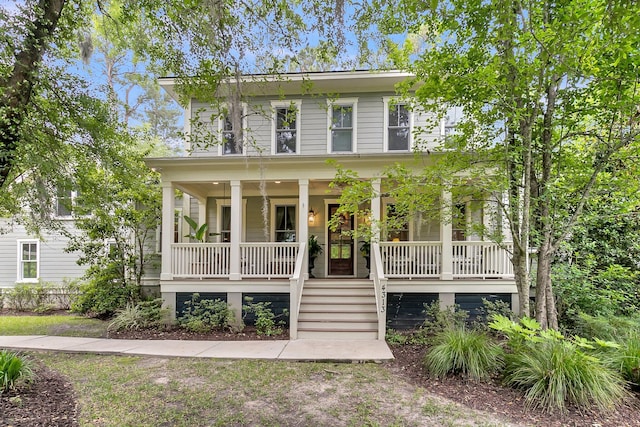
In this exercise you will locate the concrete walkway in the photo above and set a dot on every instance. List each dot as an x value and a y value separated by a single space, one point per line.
298 350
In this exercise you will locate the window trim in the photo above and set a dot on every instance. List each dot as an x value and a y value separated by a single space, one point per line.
19 272
275 105
272 220
343 102
221 118
389 101
227 202
73 195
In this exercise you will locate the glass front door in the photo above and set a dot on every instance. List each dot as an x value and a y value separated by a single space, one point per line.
340 246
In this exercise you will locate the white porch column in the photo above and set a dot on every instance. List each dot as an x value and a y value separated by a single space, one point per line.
236 229
168 215
303 224
446 231
376 214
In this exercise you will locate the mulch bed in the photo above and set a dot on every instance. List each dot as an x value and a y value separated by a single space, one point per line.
49 401
508 403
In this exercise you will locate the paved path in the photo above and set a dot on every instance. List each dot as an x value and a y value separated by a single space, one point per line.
300 350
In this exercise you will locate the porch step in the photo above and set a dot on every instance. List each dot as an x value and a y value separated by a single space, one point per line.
331 309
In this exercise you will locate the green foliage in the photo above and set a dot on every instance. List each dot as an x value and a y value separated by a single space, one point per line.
606 327
13 368
143 315
611 291
266 321
198 232
553 371
2 292
626 359
104 295
438 320
471 354
206 315
393 337
28 297
315 248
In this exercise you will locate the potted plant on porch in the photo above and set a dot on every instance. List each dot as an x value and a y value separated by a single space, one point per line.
315 249
365 251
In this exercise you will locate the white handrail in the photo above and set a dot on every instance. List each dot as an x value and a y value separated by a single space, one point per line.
296 285
380 289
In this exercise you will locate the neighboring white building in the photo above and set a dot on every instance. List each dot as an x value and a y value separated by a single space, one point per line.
257 246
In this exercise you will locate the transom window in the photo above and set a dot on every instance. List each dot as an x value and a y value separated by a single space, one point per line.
286 125
397 123
28 260
342 126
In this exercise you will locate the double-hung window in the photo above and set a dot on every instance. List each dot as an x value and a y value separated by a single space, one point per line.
286 127
232 141
66 201
398 121
283 220
343 126
28 260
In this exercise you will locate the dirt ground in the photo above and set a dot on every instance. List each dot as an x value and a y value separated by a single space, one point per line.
51 401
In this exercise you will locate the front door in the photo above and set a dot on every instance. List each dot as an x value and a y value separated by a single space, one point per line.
340 246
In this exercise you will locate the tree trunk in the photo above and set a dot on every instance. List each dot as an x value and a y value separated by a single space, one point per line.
18 86
521 273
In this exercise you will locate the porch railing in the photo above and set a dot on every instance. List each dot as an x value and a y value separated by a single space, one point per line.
296 285
380 288
411 259
198 260
427 260
268 259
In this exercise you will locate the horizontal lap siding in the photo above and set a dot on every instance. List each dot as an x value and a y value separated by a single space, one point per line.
370 123
56 265
313 126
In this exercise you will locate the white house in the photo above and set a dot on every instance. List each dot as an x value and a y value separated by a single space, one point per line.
263 197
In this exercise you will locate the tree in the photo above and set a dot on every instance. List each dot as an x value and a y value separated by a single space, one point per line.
550 98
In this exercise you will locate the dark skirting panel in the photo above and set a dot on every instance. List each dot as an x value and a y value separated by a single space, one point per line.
472 303
182 297
279 303
406 310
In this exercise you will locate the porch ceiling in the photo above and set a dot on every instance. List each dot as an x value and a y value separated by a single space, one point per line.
252 188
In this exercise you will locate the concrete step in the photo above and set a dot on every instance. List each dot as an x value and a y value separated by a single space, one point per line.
360 284
337 335
333 307
337 316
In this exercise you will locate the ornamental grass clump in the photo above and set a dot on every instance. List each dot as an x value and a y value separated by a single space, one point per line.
553 371
471 354
13 368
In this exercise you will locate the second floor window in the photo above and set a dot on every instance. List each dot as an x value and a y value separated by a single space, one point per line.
399 129
342 126
229 143
286 126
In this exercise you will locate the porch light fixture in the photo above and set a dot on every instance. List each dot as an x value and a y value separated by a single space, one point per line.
312 217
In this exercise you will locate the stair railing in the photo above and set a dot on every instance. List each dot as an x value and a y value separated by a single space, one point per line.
380 287
296 283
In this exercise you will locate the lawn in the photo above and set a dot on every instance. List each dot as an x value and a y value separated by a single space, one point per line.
147 391
70 326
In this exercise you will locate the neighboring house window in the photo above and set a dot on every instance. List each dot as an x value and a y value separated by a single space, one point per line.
397 125
342 126
286 125
229 144
28 260
66 200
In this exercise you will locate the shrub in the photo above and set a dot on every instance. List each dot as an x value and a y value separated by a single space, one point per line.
206 315
1 299
13 368
103 298
624 358
469 353
265 320
553 371
145 314
24 297
438 320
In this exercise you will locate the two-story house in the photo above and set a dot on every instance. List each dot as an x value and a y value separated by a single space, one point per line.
264 196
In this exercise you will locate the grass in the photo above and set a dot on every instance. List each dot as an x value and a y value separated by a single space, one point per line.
70 326
116 390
